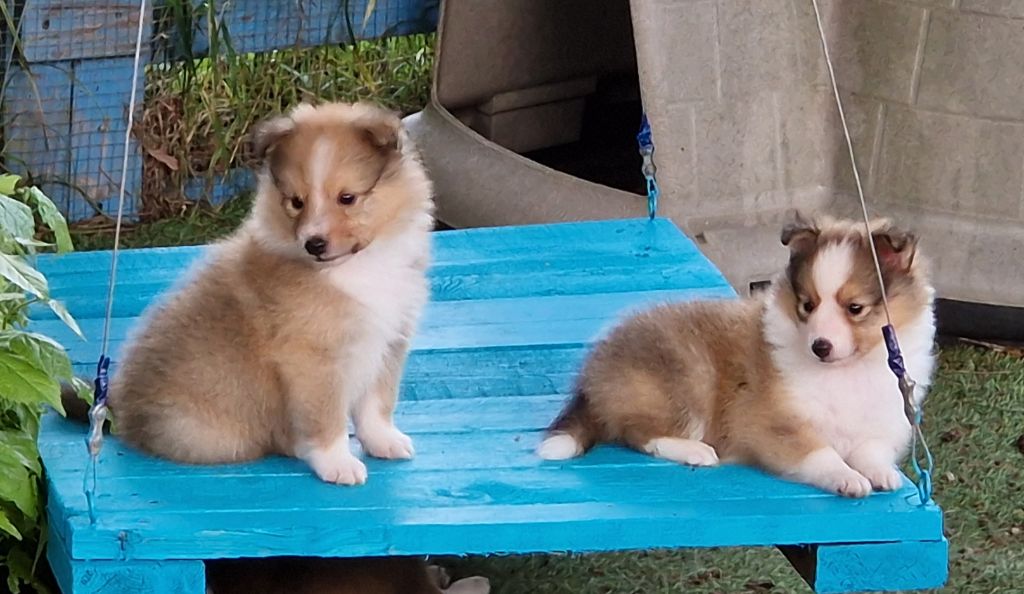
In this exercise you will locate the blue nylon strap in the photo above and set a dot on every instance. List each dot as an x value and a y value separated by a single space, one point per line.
646 144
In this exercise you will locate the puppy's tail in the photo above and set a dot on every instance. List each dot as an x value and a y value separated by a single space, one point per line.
573 432
76 408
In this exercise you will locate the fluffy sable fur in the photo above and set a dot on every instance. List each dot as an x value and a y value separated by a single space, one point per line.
388 575
303 317
795 382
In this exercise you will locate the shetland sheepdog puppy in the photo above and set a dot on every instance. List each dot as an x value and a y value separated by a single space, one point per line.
794 381
299 321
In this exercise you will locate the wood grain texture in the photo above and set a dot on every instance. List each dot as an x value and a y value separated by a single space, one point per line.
123 577
877 567
489 370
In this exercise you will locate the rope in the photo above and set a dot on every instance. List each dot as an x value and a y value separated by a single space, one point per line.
906 385
98 411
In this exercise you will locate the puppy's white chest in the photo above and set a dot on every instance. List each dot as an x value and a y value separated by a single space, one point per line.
388 287
851 405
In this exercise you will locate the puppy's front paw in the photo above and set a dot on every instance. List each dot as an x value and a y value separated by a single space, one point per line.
884 477
850 483
387 442
341 468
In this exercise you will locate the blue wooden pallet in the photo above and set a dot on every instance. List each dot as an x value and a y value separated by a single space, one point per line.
513 312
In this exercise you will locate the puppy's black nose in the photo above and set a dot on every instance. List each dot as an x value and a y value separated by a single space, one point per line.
821 348
316 245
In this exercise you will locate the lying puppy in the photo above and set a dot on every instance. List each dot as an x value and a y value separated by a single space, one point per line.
796 382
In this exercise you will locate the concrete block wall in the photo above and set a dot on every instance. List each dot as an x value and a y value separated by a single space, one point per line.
746 127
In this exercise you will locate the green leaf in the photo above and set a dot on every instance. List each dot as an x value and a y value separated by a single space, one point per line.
51 217
65 316
19 273
22 381
18 486
16 218
19 570
7 526
42 351
9 183
83 388
19 446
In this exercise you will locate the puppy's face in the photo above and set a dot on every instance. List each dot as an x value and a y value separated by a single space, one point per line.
830 291
328 182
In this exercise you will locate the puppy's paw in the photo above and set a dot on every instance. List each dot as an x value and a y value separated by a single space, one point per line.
341 468
850 483
387 442
826 470
884 477
473 585
684 451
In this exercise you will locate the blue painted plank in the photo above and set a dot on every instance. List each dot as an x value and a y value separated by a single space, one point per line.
262 25
54 30
635 237
123 577
876 567
37 126
98 124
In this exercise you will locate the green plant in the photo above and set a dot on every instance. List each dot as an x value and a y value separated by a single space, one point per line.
31 368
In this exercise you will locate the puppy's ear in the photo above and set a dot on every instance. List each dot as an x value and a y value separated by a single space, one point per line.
268 134
799 233
381 128
896 248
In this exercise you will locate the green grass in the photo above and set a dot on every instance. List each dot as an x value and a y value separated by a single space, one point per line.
975 417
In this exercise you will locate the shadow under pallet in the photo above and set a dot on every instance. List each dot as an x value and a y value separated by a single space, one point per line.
513 312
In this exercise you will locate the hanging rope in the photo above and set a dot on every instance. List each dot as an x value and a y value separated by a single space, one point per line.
646 144
98 411
907 385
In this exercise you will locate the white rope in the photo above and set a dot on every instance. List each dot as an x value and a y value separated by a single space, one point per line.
98 412
853 158
906 383
124 178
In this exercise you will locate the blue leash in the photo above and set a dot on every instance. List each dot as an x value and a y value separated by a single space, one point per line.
649 169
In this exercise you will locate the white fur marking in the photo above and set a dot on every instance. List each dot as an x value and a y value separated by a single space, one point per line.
560 446
831 270
826 470
335 463
379 436
683 451
472 585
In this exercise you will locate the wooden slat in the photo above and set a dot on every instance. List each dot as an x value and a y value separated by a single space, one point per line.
515 310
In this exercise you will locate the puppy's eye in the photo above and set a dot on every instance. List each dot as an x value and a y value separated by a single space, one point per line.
807 306
296 202
346 199
855 309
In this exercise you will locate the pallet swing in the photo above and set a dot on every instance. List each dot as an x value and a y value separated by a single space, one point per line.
512 313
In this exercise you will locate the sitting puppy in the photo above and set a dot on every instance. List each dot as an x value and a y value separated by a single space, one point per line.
796 382
300 319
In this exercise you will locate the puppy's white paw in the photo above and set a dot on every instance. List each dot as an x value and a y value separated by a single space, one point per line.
826 470
684 451
851 483
559 446
336 464
884 477
387 442
343 469
473 585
